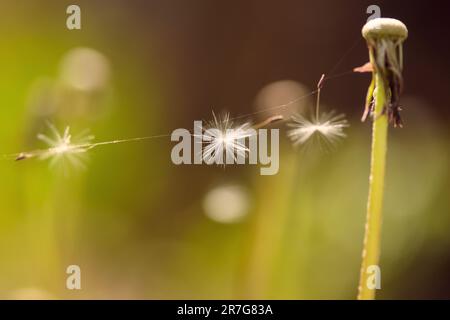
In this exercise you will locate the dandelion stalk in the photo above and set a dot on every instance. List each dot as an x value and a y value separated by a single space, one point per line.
384 37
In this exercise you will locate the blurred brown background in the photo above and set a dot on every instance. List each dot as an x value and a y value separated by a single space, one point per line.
136 223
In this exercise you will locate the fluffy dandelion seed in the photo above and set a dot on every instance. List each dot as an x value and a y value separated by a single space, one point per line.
221 136
64 146
224 139
61 147
327 127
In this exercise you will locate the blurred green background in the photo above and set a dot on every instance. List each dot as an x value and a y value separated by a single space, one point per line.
141 227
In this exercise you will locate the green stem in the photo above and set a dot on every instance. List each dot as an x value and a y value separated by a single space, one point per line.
372 239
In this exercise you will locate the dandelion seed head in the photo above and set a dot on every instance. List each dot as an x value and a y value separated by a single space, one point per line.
223 138
61 147
328 128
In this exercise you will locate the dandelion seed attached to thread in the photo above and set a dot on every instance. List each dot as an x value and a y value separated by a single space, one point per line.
65 146
61 147
223 138
327 126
